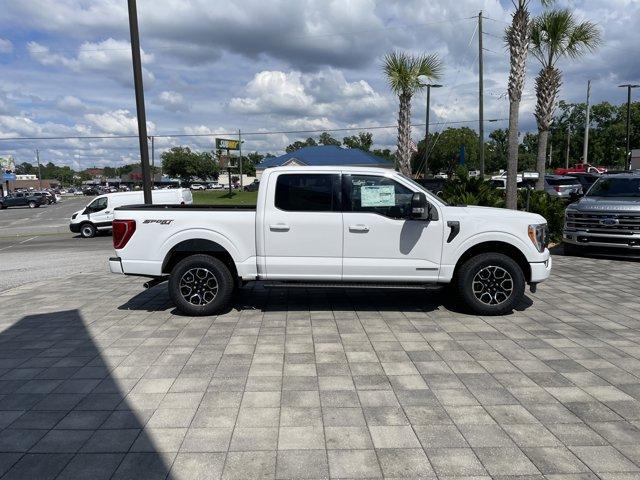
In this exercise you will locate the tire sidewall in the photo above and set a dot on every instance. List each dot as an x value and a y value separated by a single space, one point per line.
223 277
32 204
88 228
469 270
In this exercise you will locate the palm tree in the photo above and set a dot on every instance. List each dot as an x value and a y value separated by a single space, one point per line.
402 71
555 34
517 37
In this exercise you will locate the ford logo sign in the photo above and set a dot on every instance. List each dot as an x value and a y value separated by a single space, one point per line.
609 221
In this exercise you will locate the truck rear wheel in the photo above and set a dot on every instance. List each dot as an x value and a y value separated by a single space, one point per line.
32 205
490 284
200 285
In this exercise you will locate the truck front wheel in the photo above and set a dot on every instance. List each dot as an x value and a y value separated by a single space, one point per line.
200 285
490 284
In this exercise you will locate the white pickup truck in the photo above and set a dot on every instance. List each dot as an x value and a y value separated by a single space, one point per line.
333 227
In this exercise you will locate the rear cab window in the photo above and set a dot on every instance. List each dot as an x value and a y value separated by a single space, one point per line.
309 192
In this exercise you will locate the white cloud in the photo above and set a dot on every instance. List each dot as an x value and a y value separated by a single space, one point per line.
70 103
322 94
172 101
111 58
118 122
6 46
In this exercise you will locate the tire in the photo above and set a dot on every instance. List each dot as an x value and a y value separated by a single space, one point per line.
490 284
32 205
87 230
204 270
2 206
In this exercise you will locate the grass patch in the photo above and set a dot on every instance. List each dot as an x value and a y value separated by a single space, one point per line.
222 197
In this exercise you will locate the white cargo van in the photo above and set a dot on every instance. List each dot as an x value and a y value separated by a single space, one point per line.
98 214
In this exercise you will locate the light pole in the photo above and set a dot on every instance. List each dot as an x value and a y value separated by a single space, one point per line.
426 127
628 86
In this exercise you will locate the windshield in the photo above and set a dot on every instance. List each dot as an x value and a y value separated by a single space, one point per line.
421 188
615 187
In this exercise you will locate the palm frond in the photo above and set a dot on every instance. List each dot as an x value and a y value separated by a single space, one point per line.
556 34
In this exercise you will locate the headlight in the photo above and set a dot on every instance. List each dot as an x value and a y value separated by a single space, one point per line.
73 217
539 235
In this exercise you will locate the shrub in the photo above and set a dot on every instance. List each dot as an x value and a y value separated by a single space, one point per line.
465 190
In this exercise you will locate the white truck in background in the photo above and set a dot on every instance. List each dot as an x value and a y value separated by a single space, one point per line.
332 226
98 214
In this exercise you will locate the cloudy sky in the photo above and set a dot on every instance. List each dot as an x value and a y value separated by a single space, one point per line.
264 66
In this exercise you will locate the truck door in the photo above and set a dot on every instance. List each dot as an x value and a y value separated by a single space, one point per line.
380 242
303 227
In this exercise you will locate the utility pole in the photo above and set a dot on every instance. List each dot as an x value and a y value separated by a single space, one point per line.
139 89
39 170
153 159
426 127
240 152
566 159
480 97
585 148
628 86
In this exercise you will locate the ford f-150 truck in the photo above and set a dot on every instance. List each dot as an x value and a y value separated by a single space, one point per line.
328 227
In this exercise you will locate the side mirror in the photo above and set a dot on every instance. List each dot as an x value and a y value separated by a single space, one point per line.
419 206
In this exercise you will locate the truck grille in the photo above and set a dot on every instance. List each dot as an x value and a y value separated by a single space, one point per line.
610 223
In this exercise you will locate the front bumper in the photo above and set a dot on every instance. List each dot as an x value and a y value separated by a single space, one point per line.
540 271
115 265
590 239
74 227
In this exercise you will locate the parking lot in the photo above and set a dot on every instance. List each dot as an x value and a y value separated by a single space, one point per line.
102 379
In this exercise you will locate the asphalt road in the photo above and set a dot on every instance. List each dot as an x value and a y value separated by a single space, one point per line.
29 259
47 219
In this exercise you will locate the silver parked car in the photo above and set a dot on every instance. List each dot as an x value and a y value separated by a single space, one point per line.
562 186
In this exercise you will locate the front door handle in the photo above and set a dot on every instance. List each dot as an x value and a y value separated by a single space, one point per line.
279 227
107 211
358 228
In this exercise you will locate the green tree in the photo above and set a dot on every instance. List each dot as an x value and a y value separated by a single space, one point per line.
384 153
403 72
496 148
363 141
185 164
555 34
326 139
444 150
297 145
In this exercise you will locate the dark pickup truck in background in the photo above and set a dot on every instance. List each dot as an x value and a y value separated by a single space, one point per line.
607 217
22 199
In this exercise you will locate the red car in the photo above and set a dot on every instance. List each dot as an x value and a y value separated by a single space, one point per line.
580 168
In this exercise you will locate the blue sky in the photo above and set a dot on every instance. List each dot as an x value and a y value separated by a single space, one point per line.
215 67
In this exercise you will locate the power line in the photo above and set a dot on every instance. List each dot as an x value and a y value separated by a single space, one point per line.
215 134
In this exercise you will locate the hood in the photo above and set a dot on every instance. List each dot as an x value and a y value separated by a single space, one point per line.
499 213
600 204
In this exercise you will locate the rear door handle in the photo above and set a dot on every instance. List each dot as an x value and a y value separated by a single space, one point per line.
279 227
358 228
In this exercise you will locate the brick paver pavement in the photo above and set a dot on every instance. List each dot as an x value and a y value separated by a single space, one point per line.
99 379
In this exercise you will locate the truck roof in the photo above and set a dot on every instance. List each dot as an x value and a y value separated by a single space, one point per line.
331 168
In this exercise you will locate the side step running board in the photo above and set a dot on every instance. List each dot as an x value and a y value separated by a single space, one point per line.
362 285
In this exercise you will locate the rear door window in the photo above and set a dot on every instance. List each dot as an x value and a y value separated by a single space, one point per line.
313 192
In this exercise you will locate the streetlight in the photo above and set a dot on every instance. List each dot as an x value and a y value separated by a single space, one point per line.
426 128
628 86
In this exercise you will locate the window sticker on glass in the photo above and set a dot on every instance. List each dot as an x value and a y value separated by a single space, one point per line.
377 196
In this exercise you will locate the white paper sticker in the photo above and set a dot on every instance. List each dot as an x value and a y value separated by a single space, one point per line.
377 196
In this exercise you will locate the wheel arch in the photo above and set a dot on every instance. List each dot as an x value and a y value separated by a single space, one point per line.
194 246
496 246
